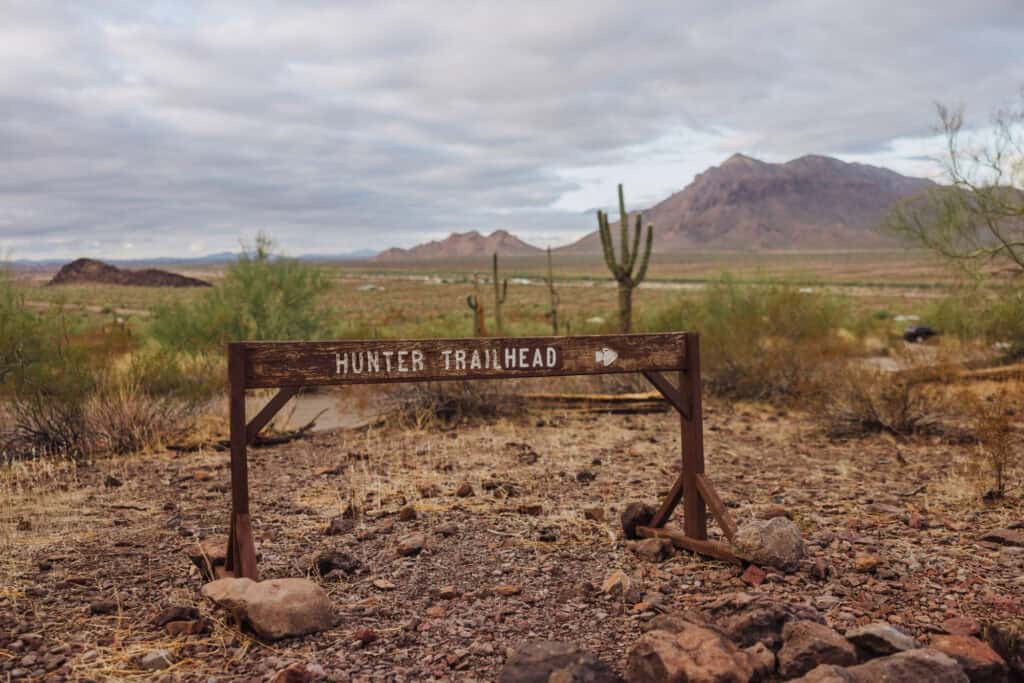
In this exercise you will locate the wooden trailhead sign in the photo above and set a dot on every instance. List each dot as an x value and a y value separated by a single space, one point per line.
289 366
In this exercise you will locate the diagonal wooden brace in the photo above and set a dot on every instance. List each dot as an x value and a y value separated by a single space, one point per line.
717 507
268 412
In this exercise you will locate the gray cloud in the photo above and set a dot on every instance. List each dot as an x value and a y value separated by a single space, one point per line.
338 126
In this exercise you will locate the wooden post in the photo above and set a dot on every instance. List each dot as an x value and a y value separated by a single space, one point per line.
695 521
241 555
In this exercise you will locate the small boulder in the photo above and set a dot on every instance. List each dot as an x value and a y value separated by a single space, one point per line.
879 639
594 514
651 549
465 490
407 514
274 609
774 542
694 653
336 562
547 661
866 563
757 618
806 644
411 545
636 514
155 660
340 525
979 661
913 665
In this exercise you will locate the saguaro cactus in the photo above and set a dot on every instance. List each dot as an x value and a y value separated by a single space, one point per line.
477 306
500 294
553 294
625 271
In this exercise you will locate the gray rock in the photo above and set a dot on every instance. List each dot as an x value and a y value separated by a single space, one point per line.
155 660
807 644
547 660
922 664
274 609
879 639
775 542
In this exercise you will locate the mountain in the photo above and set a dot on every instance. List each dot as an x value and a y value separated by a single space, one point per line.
459 245
89 270
810 202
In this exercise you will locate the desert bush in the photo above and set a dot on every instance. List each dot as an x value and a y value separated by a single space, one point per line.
426 404
998 442
262 296
765 341
865 400
977 313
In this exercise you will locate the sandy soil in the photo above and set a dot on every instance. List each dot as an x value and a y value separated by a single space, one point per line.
117 530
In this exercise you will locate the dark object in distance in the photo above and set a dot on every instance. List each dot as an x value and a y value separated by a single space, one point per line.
918 333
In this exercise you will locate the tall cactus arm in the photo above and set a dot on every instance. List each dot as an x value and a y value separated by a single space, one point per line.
471 301
504 292
605 232
637 232
624 228
647 256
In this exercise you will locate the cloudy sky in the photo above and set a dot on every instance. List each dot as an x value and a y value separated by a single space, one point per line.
131 129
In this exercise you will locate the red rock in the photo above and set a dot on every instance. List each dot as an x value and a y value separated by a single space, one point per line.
807 644
694 653
961 626
465 490
294 673
866 563
754 575
407 514
366 635
980 662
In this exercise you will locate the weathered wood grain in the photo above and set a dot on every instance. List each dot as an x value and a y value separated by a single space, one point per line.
718 509
281 364
714 549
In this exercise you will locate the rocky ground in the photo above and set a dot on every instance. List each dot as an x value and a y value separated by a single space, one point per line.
443 551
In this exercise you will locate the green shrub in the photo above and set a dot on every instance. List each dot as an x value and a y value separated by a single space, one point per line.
262 296
977 313
763 341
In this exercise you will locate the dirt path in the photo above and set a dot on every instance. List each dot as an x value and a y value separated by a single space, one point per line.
72 537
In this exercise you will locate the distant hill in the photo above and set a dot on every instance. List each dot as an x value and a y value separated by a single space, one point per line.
806 203
460 245
85 270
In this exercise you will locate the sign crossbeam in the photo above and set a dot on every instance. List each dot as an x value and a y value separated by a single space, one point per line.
292 365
